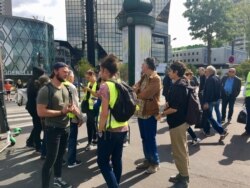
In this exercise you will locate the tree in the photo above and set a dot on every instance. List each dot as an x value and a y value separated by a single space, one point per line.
243 69
82 67
210 20
242 15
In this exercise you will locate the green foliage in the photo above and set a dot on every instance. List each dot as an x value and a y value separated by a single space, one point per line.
210 20
123 68
83 66
192 68
242 15
243 69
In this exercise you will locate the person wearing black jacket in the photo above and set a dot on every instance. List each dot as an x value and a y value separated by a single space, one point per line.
167 82
202 83
176 117
230 89
33 86
211 97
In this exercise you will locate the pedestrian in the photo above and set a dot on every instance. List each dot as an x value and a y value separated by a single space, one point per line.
111 133
53 103
230 89
247 103
176 118
192 81
19 85
7 87
202 75
148 93
166 84
211 97
33 87
43 80
90 96
75 122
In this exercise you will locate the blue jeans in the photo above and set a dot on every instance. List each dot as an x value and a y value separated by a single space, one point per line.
72 143
56 146
216 107
217 126
148 128
110 147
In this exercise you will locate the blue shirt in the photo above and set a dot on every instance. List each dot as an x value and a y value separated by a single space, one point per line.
228 87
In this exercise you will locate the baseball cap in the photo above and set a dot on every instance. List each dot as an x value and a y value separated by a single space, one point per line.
59 65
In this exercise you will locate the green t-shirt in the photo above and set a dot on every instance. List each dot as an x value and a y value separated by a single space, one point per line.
59 98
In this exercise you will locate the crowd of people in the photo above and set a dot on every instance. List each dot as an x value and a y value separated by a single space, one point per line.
56 110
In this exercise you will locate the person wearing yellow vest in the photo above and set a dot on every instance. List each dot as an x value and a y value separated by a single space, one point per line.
91 96
111 133
75 122
247 103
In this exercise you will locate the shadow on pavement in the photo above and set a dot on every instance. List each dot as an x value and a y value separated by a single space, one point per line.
238 149
17 162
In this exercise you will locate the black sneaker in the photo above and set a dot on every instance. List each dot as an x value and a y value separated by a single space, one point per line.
58 182
75 164
223 135
178 178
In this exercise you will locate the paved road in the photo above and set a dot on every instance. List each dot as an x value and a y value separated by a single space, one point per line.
212 165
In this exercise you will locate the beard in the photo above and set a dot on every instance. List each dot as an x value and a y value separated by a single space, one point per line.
60 79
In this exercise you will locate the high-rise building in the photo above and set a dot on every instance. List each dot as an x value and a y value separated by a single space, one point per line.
6 7
93 24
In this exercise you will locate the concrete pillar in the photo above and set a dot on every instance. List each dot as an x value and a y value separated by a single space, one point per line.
136 26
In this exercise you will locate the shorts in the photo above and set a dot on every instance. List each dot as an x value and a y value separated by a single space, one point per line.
8 92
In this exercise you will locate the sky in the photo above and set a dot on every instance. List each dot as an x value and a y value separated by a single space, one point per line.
53 12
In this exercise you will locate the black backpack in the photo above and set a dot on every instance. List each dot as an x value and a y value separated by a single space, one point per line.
194 111
125 104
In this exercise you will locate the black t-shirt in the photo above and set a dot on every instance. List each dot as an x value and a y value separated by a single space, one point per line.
177 100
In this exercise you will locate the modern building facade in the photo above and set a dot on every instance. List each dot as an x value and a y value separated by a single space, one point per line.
25 43
104 33
6 7
198 56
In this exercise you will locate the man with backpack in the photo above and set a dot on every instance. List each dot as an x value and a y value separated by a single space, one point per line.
54 102
111 132
148 94
176 112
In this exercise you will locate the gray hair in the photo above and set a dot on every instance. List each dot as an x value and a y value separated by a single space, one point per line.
212 69
71 73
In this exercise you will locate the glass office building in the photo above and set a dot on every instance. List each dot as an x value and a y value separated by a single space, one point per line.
108 37
25 43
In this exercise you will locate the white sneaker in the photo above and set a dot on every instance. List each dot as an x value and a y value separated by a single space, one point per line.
195 142
75 164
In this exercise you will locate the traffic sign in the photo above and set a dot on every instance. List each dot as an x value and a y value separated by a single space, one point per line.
231 59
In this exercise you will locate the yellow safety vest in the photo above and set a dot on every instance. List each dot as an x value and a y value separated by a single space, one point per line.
90 100
248 85
113 94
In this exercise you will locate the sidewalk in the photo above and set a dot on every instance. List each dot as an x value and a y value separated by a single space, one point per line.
212 165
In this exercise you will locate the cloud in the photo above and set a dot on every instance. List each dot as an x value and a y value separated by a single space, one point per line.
19 3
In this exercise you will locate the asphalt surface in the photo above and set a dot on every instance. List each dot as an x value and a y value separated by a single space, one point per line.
212 164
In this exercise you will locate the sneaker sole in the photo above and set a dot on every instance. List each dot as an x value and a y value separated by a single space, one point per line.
74 166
